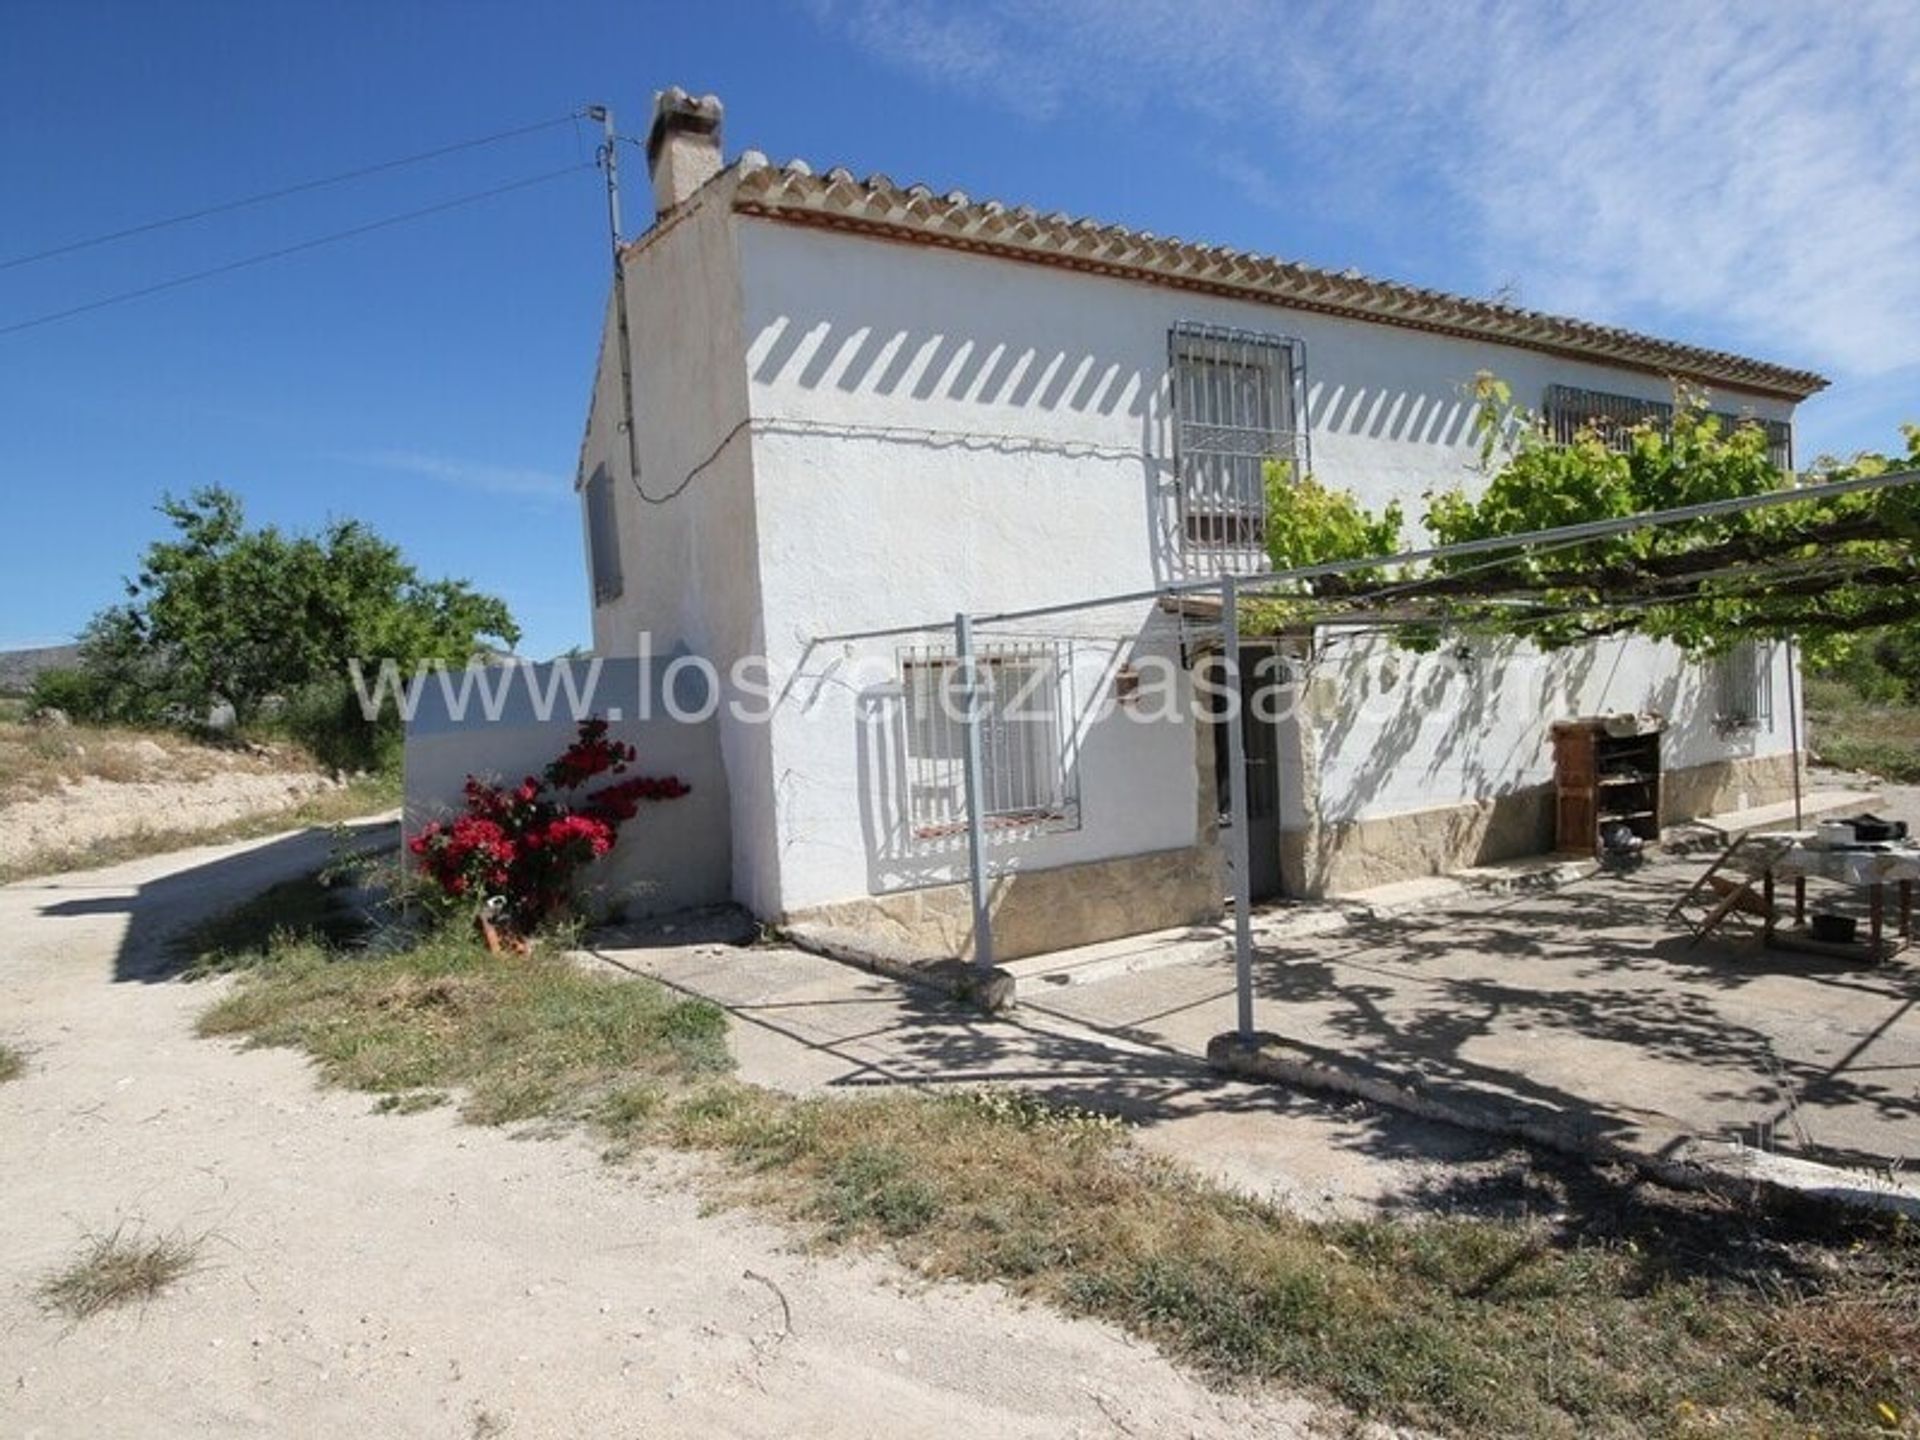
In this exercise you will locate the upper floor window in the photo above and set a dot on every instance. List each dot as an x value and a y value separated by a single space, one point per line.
1239 402
603 537
1570 410
1026 735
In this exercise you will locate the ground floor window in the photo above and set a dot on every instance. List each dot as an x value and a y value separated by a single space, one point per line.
1743 686
1027 775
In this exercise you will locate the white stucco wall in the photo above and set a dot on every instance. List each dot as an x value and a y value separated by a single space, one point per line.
937 431
689 529
1397 732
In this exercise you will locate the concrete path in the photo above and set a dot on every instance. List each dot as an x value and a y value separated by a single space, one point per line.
387 1276
810 1025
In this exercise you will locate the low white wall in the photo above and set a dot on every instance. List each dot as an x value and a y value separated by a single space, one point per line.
672 854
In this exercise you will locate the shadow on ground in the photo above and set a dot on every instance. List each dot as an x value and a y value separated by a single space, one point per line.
155 910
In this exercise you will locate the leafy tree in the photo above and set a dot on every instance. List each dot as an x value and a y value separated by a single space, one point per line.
1826 571
223 612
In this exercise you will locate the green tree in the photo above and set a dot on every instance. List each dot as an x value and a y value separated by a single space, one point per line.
223 612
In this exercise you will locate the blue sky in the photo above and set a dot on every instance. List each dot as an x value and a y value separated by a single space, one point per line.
1740 175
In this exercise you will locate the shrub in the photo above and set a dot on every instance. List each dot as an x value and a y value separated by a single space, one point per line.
325 718
523 845
73 691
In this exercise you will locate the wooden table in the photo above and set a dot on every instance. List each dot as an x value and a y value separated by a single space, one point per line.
1869 870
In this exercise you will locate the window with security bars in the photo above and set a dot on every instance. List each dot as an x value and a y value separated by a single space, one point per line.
603 538
1026 734
1570 410
1743 687
1239 402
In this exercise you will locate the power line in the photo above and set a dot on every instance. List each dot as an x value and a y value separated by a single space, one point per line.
285 250
264 196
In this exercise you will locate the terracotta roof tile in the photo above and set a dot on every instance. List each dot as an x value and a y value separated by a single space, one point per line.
877 206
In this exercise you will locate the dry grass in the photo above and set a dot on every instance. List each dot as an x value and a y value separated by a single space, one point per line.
523 1038
1635 1312
1856 734
13 1063
360 797
1645 1315
118 1269
39 760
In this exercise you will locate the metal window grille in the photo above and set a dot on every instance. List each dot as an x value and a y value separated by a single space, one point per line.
1569 410
1027 775
1743 687
1239 401
603 538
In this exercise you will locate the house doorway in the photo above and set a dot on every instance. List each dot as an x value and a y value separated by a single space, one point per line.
1262 668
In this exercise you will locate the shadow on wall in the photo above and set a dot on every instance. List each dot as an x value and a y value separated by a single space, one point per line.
911 783
1014 384
1469 723
1458 718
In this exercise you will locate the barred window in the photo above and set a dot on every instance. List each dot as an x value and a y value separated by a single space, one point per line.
1239 401
1026 734
1569 410
1743 687
603 538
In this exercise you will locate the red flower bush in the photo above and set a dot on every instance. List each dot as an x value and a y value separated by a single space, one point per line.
524 843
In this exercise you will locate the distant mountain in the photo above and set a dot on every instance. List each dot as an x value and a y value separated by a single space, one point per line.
18 667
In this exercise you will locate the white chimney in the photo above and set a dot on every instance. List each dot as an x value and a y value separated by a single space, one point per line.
683 146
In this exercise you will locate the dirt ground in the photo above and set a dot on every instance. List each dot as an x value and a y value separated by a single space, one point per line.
64 789
411 1276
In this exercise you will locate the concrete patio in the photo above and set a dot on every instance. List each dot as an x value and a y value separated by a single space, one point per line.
1577 1005
1552 997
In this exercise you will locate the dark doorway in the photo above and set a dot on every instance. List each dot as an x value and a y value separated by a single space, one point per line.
1261 669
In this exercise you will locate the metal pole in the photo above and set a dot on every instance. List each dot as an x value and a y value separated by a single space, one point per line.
1793 719
1237 793
976 817
608 157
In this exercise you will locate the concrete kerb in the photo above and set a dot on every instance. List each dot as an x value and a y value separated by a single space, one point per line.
1672 1156
992 990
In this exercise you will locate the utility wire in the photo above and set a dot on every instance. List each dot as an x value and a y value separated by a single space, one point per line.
305 185
285 250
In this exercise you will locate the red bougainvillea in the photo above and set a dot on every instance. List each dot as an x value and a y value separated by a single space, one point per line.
524 843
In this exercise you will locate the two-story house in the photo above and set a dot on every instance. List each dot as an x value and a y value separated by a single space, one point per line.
829 409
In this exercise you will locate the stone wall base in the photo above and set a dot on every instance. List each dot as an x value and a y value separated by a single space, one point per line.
1036 911
1359 854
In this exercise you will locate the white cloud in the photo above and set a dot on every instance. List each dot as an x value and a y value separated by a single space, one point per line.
472 475
1748 171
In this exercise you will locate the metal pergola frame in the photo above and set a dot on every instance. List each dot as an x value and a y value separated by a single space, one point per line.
1230 588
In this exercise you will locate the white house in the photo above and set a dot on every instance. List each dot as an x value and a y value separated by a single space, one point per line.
828 407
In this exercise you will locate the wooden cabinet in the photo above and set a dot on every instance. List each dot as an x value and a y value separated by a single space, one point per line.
1606 775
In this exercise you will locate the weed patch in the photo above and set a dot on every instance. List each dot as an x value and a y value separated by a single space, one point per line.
117 1268
524 1038
307 909
1878 739
13 1063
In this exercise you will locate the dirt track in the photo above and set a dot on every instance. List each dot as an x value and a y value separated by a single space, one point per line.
413 1277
